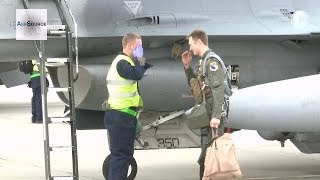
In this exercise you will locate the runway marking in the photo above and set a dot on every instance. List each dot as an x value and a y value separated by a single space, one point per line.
286 177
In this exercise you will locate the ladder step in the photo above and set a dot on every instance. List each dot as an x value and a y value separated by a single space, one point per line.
61 148
59 119
54 64
56 27
58 60
62 177
56 32
59 89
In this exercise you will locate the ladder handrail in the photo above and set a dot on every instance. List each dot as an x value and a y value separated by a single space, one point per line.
25 4
44 90
75 32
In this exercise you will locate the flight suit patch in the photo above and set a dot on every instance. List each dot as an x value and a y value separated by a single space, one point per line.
214 66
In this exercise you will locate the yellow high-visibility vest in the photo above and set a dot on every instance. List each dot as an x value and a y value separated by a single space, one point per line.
123 93
35 70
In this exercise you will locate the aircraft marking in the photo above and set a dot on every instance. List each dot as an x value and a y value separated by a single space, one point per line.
300 20
168 143
133 6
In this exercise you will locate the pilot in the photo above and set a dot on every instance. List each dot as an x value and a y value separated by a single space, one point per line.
36 100
123 104
214 90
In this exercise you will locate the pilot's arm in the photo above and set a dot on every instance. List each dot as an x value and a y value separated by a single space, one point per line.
216 78
189 74
186 58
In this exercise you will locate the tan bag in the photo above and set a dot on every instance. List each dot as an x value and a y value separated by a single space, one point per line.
220 161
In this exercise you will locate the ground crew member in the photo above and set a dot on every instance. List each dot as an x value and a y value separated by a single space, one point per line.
36 100
123 103
214 90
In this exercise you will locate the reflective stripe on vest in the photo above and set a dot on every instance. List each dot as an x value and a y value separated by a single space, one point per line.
123 93
115 82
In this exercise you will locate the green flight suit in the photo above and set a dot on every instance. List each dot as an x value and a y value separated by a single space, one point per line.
215 98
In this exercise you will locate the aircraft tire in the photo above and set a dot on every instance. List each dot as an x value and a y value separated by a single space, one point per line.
133 165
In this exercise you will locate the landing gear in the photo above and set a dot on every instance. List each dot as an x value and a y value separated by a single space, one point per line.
131 173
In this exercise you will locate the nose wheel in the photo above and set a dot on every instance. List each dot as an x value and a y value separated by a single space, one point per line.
132 172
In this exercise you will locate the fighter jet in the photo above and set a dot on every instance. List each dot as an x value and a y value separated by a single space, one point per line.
272 49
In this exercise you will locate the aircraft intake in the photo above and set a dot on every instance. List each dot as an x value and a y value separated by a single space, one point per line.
84 86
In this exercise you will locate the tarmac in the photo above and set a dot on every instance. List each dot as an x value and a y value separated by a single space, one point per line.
22 150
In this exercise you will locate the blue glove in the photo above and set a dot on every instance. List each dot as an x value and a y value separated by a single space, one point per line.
138 52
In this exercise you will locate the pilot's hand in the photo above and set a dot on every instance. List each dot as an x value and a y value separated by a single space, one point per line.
214 123
138 51
141 60
186 58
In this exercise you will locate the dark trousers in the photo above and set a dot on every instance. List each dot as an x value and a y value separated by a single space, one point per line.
36 99
205 138
121 127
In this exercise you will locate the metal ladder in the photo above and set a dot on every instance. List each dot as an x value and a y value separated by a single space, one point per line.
70 118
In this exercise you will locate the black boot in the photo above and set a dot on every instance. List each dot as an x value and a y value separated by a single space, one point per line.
39 121
201 163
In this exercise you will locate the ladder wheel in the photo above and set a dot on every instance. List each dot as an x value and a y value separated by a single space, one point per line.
133 167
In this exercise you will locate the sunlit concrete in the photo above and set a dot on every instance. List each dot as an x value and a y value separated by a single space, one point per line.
21 152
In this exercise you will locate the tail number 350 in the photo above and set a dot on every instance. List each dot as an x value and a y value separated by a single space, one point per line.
168 142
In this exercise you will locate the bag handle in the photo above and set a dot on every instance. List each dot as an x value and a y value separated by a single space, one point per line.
214 133
214 136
